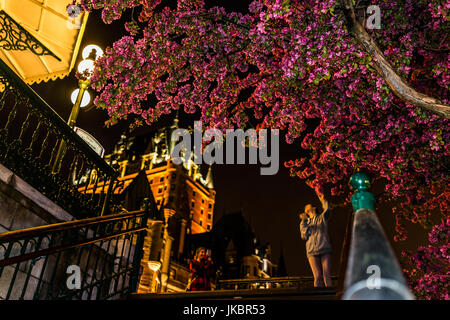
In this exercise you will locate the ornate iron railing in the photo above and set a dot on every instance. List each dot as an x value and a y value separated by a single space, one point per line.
268 283
106 251
30 134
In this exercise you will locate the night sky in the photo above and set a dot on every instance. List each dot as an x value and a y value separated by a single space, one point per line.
270 203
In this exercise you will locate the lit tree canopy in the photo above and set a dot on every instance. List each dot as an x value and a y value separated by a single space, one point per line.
375 100
428 269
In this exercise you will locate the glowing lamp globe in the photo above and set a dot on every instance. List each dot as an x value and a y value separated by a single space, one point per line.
154 265
88 49
84 101
86 66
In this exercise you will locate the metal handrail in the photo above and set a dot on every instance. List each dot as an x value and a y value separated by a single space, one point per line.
273 279
107 249
372 271
31 232
296 281
46 252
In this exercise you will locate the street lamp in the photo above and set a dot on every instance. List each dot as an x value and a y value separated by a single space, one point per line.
88 50
80 97
154 266
86 98
85 69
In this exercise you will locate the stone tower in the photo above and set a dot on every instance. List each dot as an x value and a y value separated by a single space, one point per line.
183 196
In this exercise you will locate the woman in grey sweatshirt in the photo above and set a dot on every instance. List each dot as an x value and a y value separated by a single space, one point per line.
314 229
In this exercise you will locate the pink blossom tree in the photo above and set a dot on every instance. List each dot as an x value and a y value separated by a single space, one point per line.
375 100
428 269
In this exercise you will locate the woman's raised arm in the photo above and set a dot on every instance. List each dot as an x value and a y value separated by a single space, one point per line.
325 206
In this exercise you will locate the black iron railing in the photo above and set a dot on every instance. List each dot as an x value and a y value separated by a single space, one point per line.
269 283
43 262
30 133
15 37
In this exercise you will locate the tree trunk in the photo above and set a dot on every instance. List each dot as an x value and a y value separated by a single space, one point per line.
398 85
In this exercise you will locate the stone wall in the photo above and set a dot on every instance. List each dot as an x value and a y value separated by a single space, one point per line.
22 206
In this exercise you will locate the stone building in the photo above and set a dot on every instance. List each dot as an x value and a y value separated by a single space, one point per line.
183 199
235 249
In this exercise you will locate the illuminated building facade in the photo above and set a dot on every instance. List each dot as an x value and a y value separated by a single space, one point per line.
183 197
236 249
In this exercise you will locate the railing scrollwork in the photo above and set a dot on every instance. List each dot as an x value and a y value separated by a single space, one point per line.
14 37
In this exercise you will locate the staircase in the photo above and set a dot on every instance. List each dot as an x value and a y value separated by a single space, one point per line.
106 252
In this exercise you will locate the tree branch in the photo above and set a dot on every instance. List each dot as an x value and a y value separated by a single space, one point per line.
398 85
436 49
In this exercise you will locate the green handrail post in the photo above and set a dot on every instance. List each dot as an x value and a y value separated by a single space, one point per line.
362 199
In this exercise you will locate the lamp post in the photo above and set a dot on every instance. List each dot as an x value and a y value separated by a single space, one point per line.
82 97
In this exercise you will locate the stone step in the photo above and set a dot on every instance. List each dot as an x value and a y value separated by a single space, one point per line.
260 294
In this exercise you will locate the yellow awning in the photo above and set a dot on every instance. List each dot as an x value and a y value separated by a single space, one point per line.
46 29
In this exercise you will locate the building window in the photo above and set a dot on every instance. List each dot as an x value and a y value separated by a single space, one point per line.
201 222
192 204
255 271
162 179
151 181
193 193
201 211
208 227
165 187
209 216
159 201
159 190
203 200
210 206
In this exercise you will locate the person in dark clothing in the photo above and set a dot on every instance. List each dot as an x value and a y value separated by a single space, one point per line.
202 270
314 229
